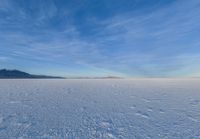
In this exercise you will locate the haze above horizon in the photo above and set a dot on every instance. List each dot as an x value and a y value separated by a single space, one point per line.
132 38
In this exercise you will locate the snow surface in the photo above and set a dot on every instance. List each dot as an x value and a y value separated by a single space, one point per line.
102 109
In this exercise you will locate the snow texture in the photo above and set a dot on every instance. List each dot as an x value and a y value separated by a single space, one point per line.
100 109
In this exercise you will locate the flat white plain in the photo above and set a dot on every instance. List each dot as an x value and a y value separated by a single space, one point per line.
100 109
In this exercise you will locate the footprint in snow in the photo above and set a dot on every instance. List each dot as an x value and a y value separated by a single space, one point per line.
150 109
111 136
83 109
195 102
146 100
105 124
161 111
133 107
143 115
192 119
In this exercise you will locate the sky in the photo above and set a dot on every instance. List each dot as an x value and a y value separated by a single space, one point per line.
128 38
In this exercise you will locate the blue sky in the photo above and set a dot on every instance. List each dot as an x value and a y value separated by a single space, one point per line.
130 38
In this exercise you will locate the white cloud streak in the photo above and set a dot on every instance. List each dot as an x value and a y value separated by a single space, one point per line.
148 44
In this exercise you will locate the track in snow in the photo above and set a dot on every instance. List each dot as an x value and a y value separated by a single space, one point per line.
107 109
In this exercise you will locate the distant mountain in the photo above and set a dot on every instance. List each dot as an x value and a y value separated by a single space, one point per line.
16 74
106 77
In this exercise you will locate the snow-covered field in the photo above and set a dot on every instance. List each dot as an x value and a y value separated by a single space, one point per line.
102 109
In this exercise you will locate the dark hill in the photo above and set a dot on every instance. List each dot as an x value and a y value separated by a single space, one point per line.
16 74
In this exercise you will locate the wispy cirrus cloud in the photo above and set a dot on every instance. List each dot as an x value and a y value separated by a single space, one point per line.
157 42
163 36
